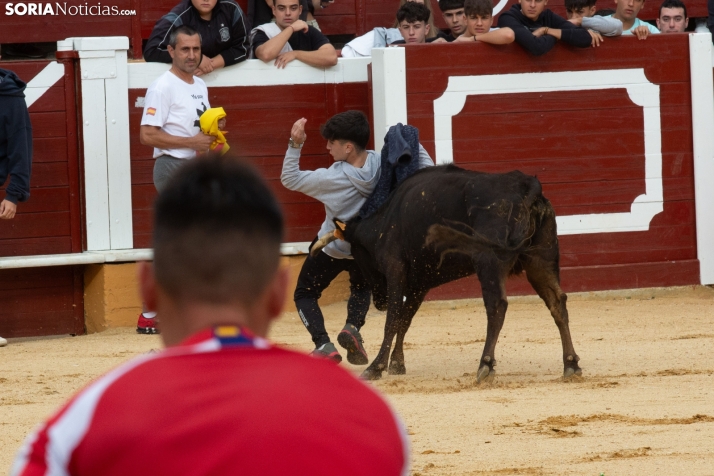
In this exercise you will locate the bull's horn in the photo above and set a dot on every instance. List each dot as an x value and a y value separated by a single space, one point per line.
322 242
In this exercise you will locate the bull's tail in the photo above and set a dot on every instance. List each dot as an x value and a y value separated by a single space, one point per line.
447 240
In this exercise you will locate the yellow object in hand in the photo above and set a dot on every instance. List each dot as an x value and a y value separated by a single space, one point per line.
209 126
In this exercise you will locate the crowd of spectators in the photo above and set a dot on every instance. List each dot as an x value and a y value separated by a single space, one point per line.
285 30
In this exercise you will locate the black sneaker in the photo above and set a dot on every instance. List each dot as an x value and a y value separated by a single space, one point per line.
327 351
350 338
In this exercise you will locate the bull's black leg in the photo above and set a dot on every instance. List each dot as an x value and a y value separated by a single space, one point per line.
379 364
411 306
493 285
395 313
543 276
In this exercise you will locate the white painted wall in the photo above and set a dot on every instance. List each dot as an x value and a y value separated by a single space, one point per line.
641 91
700 56
105 131
389 91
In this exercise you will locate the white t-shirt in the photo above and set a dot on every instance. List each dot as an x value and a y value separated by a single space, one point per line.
175 106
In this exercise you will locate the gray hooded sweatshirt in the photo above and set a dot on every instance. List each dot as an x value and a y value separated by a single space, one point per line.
342 188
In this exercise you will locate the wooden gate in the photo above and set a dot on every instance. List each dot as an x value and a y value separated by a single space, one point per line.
46 300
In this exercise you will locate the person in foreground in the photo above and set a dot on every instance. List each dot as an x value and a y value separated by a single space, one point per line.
220 399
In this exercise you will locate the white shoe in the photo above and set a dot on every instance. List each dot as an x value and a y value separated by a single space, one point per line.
3 342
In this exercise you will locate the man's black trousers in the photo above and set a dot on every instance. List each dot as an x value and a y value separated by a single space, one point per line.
316 274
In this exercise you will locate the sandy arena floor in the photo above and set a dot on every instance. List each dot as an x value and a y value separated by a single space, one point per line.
645 404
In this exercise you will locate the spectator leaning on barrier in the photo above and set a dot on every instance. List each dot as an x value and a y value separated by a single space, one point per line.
15 146
626 11
672 17
170 123
479 19
434 32
380 37
413 21
221 26
220 399
290 38
537 29
261 11
453 13
582 12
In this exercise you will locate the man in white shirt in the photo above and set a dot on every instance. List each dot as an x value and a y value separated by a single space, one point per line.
172 108
170 124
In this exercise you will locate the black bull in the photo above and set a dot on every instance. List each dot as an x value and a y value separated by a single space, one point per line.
445 223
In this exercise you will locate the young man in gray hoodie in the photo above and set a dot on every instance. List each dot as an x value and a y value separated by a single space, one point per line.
343 188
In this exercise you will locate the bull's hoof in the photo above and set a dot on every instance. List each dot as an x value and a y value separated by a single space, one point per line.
570 373
396 368
371 374
485 374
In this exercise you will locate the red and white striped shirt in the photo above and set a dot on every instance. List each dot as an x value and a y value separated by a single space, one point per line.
222 402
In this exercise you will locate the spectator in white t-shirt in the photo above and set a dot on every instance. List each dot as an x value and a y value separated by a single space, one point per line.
172 108
170 124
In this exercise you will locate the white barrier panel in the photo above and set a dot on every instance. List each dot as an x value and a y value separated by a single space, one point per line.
700 57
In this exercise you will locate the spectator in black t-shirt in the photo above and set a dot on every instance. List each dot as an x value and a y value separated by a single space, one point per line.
222 27
453 13
290 38
261 11
537 29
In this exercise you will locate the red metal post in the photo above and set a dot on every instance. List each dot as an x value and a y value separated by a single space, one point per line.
361 16
68 59
136 40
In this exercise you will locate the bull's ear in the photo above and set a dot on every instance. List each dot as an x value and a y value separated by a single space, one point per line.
340 225
338 234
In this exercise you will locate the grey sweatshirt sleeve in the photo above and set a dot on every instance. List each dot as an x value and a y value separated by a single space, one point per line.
313 183
608 26
424 158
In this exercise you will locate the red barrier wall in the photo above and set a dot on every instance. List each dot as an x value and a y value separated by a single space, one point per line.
43 301
586 147
259 123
